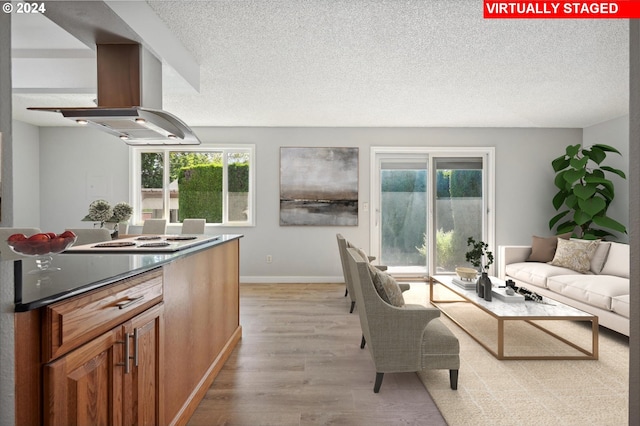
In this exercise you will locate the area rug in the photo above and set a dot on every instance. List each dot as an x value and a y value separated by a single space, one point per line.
549 392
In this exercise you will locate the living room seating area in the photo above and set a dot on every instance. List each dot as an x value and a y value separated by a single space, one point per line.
592 276
401 337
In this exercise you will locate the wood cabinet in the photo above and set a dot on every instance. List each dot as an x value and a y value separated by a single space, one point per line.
71 355
85 386
112 378
143 386
202 325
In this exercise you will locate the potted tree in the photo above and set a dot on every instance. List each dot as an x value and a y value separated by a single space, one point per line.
585 192
480 257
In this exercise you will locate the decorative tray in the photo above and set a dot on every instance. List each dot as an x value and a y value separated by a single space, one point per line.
500 294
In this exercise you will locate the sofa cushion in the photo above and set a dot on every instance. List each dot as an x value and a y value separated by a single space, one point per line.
620 305
575 254
543 248
617 261
600 257
386 286
594 290
536 273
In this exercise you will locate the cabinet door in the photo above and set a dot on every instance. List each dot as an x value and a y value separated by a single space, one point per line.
85 386
142 385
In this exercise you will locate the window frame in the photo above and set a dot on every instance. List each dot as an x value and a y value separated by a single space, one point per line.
135 188
388 154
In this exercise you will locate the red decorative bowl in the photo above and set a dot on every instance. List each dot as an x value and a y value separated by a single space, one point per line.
41 246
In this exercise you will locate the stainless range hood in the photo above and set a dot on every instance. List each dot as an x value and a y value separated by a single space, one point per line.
121 93
134 125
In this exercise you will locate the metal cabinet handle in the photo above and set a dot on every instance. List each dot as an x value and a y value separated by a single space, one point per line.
127 369
126 303
135 346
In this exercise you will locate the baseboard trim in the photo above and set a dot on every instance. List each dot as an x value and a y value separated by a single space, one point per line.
290 280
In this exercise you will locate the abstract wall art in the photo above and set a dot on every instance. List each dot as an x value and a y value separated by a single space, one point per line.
318 186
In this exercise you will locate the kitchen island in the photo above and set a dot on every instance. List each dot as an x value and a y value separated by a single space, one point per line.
121 338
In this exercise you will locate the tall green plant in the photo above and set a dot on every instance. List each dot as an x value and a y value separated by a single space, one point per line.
585 192
479 255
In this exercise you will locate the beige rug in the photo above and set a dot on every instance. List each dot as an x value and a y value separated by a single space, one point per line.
493 392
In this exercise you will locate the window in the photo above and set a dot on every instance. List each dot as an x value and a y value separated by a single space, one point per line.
426 202
215 183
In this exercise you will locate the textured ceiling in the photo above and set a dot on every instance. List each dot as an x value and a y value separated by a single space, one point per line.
387 63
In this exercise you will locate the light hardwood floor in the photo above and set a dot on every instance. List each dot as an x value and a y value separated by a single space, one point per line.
299 363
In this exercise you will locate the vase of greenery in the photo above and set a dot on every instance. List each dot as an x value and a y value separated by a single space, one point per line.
100 211
481 258
585 192
121 214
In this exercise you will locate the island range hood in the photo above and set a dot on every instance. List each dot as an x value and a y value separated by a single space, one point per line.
124 98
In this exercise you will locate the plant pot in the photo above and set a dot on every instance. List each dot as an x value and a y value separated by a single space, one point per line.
486 282
483 286
480 287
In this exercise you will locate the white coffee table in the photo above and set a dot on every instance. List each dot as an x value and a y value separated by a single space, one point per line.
443 293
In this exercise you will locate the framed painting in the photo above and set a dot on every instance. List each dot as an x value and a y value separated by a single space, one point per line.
318 186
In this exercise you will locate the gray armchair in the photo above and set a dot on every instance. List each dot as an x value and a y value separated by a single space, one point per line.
401 339
343 244
342 248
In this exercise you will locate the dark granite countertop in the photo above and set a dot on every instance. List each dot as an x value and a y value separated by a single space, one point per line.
79 273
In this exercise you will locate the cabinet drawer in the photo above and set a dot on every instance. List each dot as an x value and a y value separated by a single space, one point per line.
71 323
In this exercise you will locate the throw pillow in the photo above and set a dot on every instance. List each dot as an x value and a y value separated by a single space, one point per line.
386 286
617 261
543 249
599 257
361 252
575 254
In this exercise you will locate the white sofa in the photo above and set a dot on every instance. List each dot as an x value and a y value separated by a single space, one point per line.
602 291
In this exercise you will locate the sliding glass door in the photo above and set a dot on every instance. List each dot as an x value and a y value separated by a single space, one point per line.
458 209
403 213
426 203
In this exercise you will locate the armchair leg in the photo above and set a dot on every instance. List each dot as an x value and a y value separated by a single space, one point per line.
353 304
363 342
376 386
453 379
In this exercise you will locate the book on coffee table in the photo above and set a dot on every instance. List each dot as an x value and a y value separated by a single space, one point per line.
467 285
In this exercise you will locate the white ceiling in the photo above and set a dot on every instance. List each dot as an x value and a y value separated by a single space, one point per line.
345 63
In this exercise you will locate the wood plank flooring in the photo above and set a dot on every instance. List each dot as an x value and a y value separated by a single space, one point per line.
299 363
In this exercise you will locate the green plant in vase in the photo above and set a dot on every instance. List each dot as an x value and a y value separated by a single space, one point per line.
480 257
100 211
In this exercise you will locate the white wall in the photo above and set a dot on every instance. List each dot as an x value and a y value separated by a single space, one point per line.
78 166
74 159
614 133
6 174
7 336
26 177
